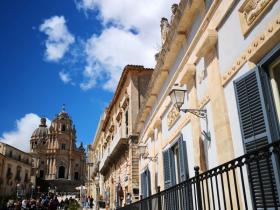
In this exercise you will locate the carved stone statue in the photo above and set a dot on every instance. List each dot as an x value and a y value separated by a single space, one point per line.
174 8
164 26
156 56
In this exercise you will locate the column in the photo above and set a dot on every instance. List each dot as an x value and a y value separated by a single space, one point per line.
70 170
54 168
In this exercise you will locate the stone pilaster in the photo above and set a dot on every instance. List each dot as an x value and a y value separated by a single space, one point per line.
219 110
199 156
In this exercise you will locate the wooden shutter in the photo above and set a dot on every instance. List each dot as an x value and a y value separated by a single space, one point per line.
186 200
143 185
183 160
255 133
148 178
167 169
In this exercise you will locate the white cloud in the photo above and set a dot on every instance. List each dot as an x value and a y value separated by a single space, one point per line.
85 4
58 37
106 56
20 136
65 77
119 44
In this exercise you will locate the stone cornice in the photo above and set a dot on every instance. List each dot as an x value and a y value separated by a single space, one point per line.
165 62
172 44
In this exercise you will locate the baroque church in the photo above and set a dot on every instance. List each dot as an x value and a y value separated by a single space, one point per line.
56 159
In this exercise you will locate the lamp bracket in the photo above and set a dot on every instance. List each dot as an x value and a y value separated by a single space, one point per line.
201 113
151 158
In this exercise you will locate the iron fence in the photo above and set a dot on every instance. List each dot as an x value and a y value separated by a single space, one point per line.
250 182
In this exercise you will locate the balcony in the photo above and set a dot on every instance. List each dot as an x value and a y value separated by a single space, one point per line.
115 148
105 160
120 141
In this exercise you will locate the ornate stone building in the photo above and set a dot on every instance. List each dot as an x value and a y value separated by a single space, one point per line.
113 154
15 171
54 151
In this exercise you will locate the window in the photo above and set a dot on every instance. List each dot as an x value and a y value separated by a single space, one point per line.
63 146
63 127
42 162
258 127
19 157
126 122
11 154
274 73
175 163
9 173
146 183
26 177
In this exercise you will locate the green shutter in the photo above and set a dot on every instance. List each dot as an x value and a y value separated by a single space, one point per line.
148 178
143 184
255 133
183 160
166 169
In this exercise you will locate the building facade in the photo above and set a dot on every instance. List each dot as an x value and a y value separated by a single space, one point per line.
54 152
226 54
15 171
114 150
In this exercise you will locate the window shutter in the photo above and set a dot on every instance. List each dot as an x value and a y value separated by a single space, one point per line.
255 133
143 185
148 177
167 169
183 160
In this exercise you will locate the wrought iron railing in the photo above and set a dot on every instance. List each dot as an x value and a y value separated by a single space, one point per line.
249 182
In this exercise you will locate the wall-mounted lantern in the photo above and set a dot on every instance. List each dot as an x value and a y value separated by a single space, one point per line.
177 95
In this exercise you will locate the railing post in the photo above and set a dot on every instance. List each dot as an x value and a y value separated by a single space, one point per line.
198 192
159 198
141 197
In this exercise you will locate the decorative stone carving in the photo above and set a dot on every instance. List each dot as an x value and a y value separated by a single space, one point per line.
250 11
174 9
164 26
156 56
172 116
124 101
255 50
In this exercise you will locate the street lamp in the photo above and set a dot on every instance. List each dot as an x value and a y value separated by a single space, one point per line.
18 190
32 190
142 148
177 95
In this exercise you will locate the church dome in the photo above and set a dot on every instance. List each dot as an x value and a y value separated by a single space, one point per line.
42 130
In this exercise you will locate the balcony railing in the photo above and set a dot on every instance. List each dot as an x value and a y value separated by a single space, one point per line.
248 182
105 158
115 147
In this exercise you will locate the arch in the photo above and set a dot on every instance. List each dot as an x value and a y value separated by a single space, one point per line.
61 172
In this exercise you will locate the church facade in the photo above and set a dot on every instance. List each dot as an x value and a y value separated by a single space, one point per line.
54 152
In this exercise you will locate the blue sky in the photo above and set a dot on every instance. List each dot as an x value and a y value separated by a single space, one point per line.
71 52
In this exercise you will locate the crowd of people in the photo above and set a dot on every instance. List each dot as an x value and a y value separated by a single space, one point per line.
45 202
